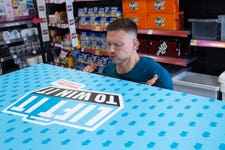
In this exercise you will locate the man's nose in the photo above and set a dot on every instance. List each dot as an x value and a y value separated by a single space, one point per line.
111 48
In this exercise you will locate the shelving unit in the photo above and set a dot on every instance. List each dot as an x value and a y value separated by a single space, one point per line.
207 43
19 18
95 52
62 31
63 1
175 33
162 59
18 55
179 61
92 28
183 62
19 36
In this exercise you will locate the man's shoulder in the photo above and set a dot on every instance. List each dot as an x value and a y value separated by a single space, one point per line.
147 60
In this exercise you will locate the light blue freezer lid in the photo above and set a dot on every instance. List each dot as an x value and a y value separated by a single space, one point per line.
151 117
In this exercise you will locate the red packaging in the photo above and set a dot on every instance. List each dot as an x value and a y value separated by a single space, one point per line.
168 48
143 47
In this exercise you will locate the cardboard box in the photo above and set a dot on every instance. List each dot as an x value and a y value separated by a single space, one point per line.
134 6
163 6
165 21
163 48
139 18
172 48
143 47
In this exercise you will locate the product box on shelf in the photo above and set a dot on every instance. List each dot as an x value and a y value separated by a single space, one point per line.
163 6
205 29
134 6
139 18
170 48
197 83
165 21
143 46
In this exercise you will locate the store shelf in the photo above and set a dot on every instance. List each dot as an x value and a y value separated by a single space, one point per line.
19 55
64 1
11 41
19 18
92 28
59 25
65 46
171 60
85 0
95 52
162 59
207 43
15 23
177 33
21 39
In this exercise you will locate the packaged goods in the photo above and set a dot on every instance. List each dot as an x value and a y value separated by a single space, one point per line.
163 6
165 21
134 6
139 18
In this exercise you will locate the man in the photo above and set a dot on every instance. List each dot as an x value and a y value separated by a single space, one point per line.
126 63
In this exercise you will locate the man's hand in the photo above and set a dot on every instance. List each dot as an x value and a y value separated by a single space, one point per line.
89 68
153 80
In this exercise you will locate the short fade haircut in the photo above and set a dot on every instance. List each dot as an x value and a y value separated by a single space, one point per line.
125 24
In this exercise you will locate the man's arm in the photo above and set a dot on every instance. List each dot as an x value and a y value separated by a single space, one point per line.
90 68
153 80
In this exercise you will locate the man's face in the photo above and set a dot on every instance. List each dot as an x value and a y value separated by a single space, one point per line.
121 45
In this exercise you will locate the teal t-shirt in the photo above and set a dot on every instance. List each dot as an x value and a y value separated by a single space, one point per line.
143 71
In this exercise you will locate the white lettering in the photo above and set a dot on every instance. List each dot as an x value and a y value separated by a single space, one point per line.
69 112
82 113
39 103
111 100
83 96
49 113
72 94
25 103
100 98
45 91
63 93
53 91
103 112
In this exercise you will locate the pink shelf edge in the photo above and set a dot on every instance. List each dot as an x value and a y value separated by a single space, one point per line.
207 43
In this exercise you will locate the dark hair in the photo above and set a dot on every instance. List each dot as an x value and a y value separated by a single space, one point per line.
122 24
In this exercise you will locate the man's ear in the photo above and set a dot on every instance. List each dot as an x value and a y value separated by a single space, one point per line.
136 44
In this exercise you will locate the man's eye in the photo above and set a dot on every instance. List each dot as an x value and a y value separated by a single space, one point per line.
114 44
117 45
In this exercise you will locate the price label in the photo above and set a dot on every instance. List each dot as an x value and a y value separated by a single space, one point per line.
193 42
97 28
97 52
149 31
